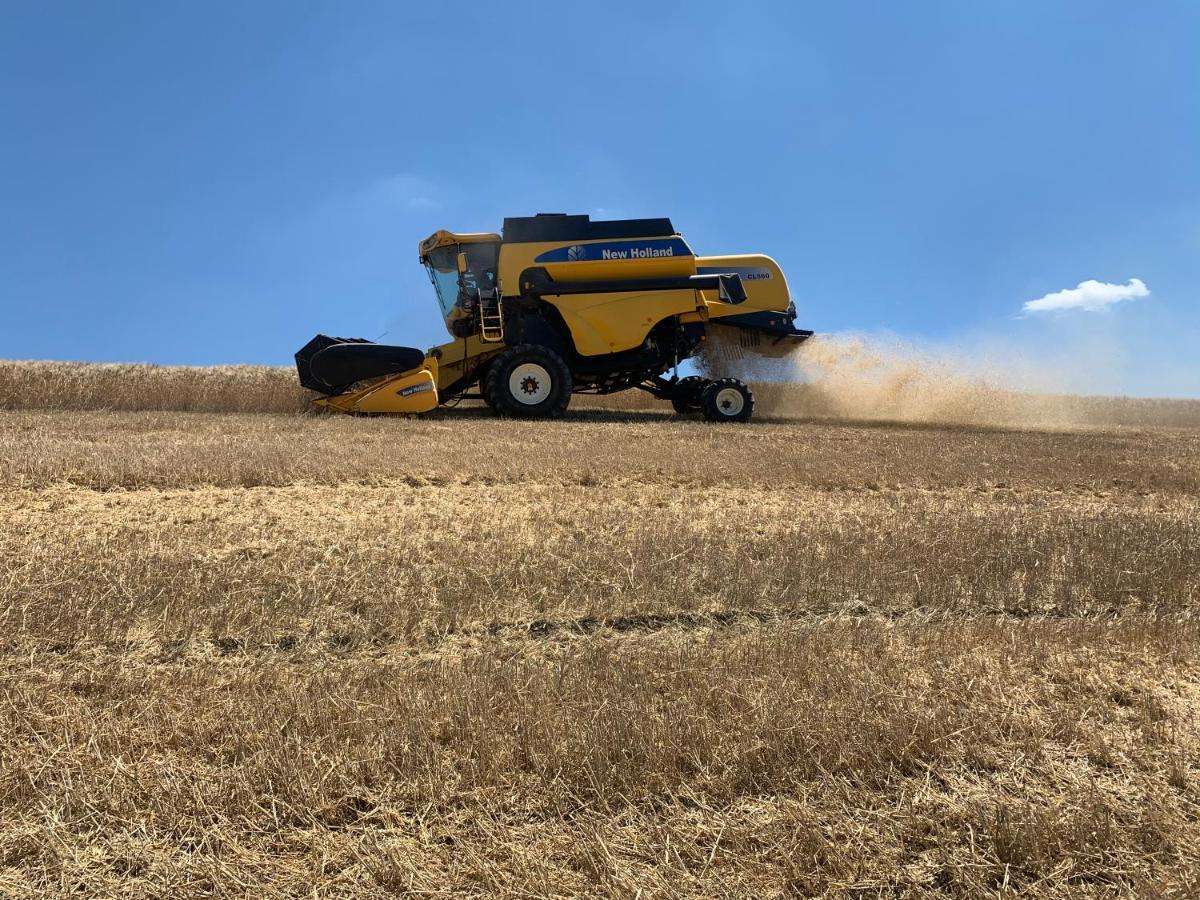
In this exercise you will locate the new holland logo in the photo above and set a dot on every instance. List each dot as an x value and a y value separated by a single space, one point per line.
415 389
641 248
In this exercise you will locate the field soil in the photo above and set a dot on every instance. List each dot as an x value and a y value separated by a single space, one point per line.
624 654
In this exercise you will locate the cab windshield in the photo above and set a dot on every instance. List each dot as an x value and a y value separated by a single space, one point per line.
455 289
442 265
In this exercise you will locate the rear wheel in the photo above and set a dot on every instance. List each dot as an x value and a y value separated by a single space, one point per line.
528 382
727 400
687 393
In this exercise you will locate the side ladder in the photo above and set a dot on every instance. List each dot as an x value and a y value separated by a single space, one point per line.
491 319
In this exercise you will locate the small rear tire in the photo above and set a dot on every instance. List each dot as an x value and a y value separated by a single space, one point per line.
687 394
727 400
528 381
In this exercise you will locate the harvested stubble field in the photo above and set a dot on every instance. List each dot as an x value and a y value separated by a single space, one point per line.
263 654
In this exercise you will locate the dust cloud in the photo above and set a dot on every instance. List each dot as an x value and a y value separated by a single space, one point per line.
856 377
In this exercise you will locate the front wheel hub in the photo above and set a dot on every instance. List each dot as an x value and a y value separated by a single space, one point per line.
529 383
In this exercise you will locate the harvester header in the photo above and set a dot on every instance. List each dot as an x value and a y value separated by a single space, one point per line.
558 304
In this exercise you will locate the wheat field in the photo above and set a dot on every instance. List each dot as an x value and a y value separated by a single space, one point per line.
253 653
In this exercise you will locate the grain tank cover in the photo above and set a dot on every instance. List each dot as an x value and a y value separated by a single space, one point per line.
561 227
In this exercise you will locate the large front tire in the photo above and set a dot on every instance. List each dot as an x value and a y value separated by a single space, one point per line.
528 382
727 400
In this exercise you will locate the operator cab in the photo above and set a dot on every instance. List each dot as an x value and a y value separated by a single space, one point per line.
462 268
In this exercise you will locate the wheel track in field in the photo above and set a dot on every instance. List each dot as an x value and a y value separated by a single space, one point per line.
512 635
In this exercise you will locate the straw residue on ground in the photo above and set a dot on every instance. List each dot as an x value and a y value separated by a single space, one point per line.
278 655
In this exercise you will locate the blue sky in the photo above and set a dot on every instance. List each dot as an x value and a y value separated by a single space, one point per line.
215 182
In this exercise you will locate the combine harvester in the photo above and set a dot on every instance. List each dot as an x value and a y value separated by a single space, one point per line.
559 304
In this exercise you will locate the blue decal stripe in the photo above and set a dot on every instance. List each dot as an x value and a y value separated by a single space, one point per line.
617 250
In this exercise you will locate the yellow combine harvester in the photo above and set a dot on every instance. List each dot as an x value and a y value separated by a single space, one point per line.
559 304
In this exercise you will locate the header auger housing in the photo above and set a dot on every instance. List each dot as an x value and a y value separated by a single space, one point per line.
558 304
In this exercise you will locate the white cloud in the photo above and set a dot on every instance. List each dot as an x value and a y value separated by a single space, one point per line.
1091 296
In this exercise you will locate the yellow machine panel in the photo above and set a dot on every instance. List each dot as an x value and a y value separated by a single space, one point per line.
766 288
407 392
456 358
609 323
